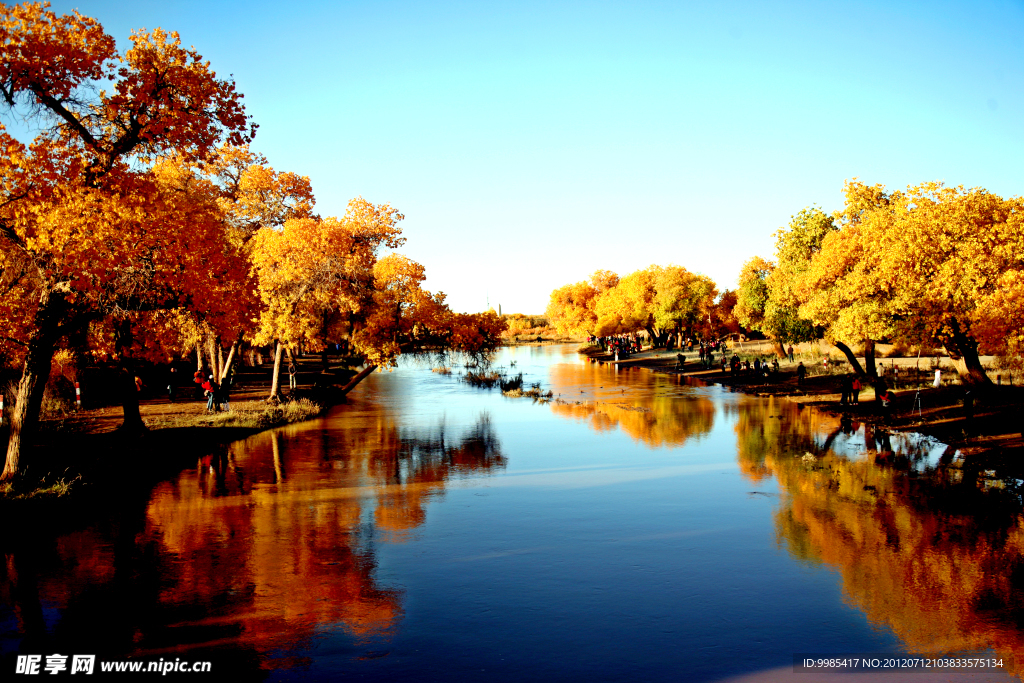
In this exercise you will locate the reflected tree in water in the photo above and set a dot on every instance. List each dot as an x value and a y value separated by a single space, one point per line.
933 552
257 550
656 416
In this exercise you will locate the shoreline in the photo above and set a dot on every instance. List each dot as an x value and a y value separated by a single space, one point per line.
79 457
85 456
994 429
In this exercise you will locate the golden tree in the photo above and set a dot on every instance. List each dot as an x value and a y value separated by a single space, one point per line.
932 264
322 280
251 196
723 314
571 309
753 302
313 271
75 221
683 302
629 305
767 300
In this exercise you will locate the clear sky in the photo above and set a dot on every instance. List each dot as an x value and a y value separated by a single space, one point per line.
531 143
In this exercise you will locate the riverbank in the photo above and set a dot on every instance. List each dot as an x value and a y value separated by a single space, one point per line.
991 426
79 456
539 340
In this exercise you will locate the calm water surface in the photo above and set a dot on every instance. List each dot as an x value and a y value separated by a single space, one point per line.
637 529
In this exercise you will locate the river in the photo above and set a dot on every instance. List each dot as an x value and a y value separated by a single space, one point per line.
634 529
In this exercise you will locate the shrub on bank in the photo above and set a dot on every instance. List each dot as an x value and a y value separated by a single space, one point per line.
482 378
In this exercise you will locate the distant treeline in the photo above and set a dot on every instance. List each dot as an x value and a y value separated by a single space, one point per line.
929 267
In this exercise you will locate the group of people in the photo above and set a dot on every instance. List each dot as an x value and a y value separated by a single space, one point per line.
850 387
705 348
707 354
218 394
205 384
757 368
621 345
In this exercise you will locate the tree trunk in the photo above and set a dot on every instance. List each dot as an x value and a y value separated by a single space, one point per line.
854 363
963 351
236 347
199 357
871 369
133 423
220 358
126 378
778 348
35 372
363 374
275 390
654 337
869 358
211 354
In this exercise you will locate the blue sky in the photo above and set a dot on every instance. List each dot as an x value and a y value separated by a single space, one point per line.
529 144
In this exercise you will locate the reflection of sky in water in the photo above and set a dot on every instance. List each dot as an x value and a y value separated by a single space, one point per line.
924 451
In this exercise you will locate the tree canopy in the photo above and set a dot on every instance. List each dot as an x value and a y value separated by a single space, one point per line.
931 264
139 221
657 299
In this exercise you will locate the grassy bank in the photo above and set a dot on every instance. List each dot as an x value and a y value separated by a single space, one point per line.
245 414
80 454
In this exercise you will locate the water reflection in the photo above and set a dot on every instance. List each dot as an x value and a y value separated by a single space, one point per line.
655 409
260 547
930 547
634 544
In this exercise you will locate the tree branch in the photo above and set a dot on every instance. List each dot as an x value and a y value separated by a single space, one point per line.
54 105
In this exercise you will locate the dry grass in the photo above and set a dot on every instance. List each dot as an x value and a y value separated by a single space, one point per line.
533 392
248 414
56 489
482 378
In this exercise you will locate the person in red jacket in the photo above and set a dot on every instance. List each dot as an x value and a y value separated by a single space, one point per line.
198 380
212 389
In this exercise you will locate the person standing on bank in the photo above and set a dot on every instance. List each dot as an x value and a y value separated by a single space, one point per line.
292 373
197 379
223 395
846 386
172 383
211 388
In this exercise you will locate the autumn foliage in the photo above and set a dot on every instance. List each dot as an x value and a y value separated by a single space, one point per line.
659 300
138 222
928 266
